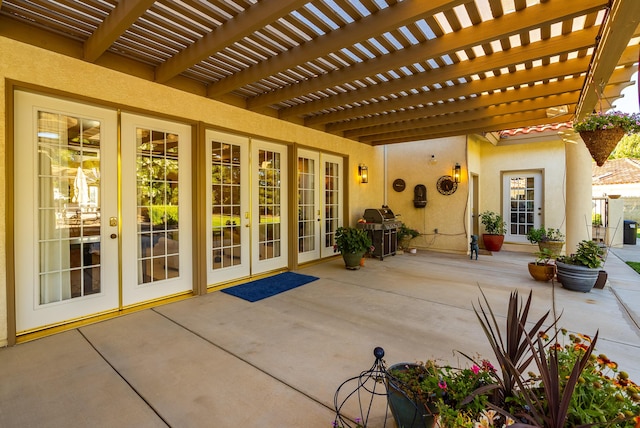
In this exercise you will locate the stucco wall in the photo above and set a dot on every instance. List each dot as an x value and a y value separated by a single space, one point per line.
26 64
549 157
447 213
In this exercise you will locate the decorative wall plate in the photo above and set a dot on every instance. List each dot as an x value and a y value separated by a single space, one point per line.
446 185
399 185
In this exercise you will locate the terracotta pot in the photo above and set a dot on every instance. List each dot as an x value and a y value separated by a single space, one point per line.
492 242
542 271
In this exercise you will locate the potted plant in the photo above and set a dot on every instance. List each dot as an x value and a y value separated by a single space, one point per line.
420 393
494 227
405 235
601 132
552 239
353 243
542 269
579 271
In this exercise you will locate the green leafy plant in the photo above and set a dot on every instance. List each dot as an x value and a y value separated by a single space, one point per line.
629 122
352 240
588 254
493 223
542 234
404 231
544 256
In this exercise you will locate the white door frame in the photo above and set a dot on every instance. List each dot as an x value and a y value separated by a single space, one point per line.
522 206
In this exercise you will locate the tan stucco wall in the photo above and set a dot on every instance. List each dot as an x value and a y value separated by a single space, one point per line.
546 156
411 162
30 65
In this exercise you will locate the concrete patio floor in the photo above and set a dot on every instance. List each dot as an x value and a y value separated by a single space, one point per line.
219 361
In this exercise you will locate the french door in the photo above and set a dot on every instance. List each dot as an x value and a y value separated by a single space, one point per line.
269 212
78 250
522 203
319 203
156 209
228 227
65 160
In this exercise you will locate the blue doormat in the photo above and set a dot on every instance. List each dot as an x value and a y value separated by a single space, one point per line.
267 287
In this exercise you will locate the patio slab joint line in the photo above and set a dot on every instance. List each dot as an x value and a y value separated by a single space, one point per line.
123 378
244 361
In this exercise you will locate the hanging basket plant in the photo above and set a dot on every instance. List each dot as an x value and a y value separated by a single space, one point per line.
601 132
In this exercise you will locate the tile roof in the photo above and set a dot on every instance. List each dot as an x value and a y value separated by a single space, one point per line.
616 171
532 129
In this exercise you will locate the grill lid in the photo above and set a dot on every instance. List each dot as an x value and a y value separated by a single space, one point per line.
378 215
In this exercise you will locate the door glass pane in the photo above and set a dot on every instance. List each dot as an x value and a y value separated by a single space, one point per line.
157 205
306 205
225 204
68 206
269 173
331 201
521 215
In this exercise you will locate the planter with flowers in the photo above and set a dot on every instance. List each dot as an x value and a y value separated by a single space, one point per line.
543 269
601 132
353 243
569 385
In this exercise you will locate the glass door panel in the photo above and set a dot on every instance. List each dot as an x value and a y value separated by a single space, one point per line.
308 206
522 204
228 199
332 203
156 201
269 220
65 154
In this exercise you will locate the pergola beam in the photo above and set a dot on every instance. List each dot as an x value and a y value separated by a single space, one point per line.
115 24
467 38
373 25
618 28
242 25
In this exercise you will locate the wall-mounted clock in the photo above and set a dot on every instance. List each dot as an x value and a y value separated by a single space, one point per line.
446 185
399 185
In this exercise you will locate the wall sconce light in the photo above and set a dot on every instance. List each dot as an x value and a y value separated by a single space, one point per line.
363 173
456 173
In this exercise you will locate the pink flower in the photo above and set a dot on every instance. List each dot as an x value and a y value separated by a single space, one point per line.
442 385
475 369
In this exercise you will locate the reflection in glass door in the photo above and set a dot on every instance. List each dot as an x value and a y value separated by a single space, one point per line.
308 206
319 204
522 204
332 203
156 214
228 199
64 157
269 219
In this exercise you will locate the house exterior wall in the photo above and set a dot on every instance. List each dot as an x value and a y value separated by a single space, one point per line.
546 156
31 66
412 163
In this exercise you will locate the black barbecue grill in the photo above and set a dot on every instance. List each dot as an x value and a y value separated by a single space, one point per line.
382 226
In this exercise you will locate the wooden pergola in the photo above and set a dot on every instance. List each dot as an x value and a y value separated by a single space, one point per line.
374 71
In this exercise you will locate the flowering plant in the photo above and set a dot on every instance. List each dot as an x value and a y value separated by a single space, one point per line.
630 123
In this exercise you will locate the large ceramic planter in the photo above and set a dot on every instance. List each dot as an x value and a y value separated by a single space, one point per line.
542 271
407 413
576 278
352 260
555 247
492 242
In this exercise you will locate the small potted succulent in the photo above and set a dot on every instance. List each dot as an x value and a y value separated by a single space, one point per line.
494 227
579 271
